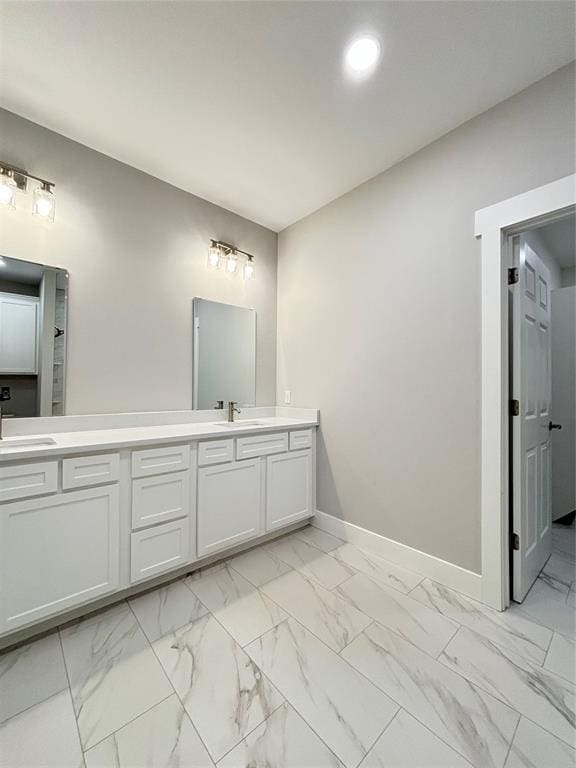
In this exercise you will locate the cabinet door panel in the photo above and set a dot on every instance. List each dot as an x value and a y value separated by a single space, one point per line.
57 552
229 505
159 499
288 488
159 549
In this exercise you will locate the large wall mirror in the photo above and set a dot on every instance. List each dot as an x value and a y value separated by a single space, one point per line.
33 335
224 354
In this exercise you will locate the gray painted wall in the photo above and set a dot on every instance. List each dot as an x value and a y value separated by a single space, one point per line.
379 322
136 250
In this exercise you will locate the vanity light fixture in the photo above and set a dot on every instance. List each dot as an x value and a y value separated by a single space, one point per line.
221 254
14 179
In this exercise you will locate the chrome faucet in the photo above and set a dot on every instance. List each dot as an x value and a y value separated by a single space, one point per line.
219 405
0 422
232 410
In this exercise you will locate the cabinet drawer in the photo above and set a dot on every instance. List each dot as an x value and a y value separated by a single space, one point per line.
159 549
261 445
159 461
159 499
215 452
90 470
22 480
300 439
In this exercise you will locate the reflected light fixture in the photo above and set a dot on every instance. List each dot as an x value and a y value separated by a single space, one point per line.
362 55
221 254
14 180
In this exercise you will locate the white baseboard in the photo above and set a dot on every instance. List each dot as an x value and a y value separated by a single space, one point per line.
448 574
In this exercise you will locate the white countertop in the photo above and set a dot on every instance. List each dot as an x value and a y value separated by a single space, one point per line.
66 443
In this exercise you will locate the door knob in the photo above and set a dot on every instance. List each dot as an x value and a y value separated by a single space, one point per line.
552 426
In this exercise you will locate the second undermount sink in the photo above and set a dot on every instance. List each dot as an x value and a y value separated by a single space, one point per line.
9 444
238 424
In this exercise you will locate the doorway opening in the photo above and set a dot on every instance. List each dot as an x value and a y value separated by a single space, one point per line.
541 310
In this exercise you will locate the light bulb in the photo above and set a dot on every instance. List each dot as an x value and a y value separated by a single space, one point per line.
8 190
214 257
44 203
249 269
232 263
362 55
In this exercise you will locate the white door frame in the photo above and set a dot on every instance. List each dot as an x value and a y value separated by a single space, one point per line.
493 225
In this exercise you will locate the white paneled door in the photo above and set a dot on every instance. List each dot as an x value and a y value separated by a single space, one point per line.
532 386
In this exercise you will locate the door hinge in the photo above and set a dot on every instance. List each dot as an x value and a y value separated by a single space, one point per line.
513 276
514 407
515 541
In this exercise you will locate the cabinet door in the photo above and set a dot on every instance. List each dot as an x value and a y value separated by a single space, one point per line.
159 549
56 553
18 332
229 505
288 488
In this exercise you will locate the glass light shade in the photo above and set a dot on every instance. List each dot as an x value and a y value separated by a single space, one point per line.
249 270
7 191
44 204
232 263
214 257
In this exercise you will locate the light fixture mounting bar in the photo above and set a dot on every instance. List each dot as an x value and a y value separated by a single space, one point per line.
227 248
21 176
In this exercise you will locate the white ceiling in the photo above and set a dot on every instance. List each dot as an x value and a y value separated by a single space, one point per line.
560 240
246 104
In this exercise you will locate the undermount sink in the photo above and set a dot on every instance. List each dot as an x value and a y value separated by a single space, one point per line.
22 443
238 424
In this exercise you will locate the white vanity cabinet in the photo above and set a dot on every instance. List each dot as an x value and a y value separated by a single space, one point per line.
229 504
57 552
288 488
18 334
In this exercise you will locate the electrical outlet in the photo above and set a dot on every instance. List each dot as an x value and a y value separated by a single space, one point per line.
5 393
287 396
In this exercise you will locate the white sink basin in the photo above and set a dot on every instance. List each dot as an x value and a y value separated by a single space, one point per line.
238 424
10 444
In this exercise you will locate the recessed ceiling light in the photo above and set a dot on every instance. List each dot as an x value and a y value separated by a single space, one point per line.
362 55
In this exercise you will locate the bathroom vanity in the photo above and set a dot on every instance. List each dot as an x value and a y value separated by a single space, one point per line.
95 513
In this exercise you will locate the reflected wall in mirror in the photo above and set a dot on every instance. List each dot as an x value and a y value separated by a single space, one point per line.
33 335
224 354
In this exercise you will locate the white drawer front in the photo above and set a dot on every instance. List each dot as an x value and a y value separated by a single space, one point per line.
23 480
159 499
90 470
215 452
261 445
302 438
158 461
159 549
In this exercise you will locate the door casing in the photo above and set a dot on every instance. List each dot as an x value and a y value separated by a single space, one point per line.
494 226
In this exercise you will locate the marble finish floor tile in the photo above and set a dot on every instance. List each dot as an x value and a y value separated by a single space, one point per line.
475 724
166 608
283 741
223 691
327 615
377 568
561 658
535 748
43 736
542 605
346 711
561 569
505 628
113 672
424 627
259 566
406 743
531 690
564 539
163 737
318 538
29 674
310 561
243 610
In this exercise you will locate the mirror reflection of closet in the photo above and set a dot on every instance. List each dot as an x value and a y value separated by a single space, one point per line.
224 354
33 325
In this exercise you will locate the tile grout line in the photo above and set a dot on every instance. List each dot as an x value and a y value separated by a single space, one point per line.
251 731
512 741
71 695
